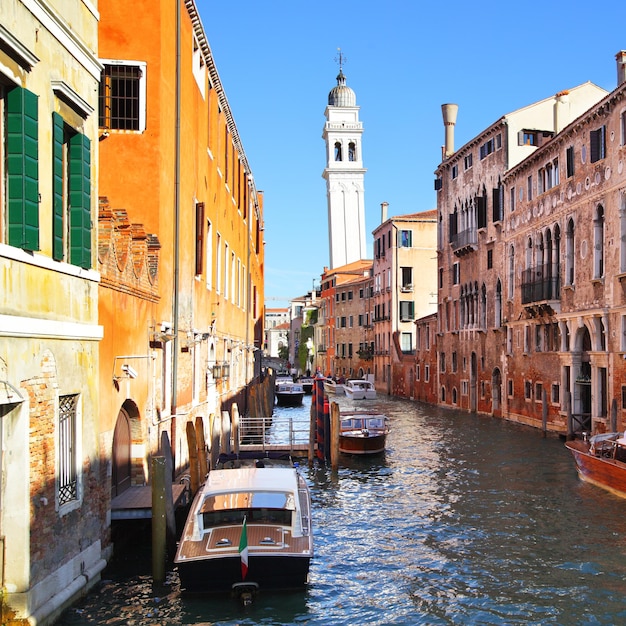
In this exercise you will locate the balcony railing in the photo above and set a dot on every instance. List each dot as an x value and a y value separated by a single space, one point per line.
465 240
538 285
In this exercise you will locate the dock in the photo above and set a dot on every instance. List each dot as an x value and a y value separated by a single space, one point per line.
136 502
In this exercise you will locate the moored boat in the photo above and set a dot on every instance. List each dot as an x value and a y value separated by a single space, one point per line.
307 385
332 387
601 460
359 389
362 432
288 393
248 529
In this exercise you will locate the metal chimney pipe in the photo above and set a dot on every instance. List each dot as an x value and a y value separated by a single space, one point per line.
449 112
621 66
383 211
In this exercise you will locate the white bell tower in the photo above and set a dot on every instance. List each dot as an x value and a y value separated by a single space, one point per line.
344 175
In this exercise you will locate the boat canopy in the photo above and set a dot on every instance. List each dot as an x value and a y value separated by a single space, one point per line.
248 500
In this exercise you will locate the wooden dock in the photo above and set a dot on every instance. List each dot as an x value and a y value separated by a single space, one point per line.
136 502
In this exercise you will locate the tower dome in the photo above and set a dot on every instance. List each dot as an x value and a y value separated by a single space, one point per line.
341 95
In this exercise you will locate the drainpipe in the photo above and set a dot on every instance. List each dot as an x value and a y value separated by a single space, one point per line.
176 216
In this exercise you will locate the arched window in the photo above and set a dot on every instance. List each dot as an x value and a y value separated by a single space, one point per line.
598 243
352 151
338 151
483 307
569 253
511 271
622 228
498 311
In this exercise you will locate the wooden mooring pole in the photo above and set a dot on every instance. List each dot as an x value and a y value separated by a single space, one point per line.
159 519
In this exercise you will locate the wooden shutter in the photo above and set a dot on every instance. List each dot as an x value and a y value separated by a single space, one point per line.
80 200
57 187
23 169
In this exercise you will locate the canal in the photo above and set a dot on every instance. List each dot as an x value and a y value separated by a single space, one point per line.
464 520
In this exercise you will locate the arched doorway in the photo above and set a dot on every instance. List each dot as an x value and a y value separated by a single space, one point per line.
581 401
120 457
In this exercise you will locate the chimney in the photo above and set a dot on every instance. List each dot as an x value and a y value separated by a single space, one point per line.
449 112
621 66
383 212
560 104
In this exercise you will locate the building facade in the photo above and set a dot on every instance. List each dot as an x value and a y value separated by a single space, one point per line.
405 289
180 244
53 505
530 318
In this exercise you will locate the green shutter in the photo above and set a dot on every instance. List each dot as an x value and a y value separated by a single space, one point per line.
80 201
57 187
22 169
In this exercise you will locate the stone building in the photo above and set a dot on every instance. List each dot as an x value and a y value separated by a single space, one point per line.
53 505
405 288
180 245
565 304
531 308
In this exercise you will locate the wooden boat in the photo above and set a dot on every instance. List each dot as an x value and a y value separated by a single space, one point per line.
362 432
248 529
288 393
602 461
332 387
359 389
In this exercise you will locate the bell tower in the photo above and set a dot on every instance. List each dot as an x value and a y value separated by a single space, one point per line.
344 174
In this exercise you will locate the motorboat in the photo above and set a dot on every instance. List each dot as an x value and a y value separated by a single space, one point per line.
359 389
307 385
601 460
332 387
248 529
362 432
288 393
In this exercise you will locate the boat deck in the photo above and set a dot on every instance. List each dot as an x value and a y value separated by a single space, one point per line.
261 538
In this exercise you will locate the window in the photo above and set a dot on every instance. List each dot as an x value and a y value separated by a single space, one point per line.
455 171
407 278
569 253
351 151
495 143
426 373
597 144
122 99
598 248
22 169
337 151
406 343
442 362
456 273
530 188
406 238
468 161
528 390
555 394
622 126
528 138
407 310
67 477
509 387
512 202
538 392
569 164
489 259
199 237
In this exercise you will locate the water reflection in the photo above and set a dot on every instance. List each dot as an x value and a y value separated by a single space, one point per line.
464 520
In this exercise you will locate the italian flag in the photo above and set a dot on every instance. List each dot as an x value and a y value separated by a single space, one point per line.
243 549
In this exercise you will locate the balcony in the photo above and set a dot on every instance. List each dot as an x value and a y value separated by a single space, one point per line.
538 285
406 288
464 242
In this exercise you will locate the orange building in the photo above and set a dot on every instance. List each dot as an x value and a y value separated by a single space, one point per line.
180 246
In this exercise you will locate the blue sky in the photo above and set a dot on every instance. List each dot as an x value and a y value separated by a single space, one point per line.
405 58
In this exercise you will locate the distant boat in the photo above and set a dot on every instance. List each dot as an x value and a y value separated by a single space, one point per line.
248 529
362 432
332 387
307 385
601 461
288 393
359 389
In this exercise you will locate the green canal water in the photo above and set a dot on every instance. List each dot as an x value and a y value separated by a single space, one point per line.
464 520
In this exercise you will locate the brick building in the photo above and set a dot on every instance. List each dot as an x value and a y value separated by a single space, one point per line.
531 318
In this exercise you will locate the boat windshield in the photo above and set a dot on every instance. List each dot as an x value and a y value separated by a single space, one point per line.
253 516
248 500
